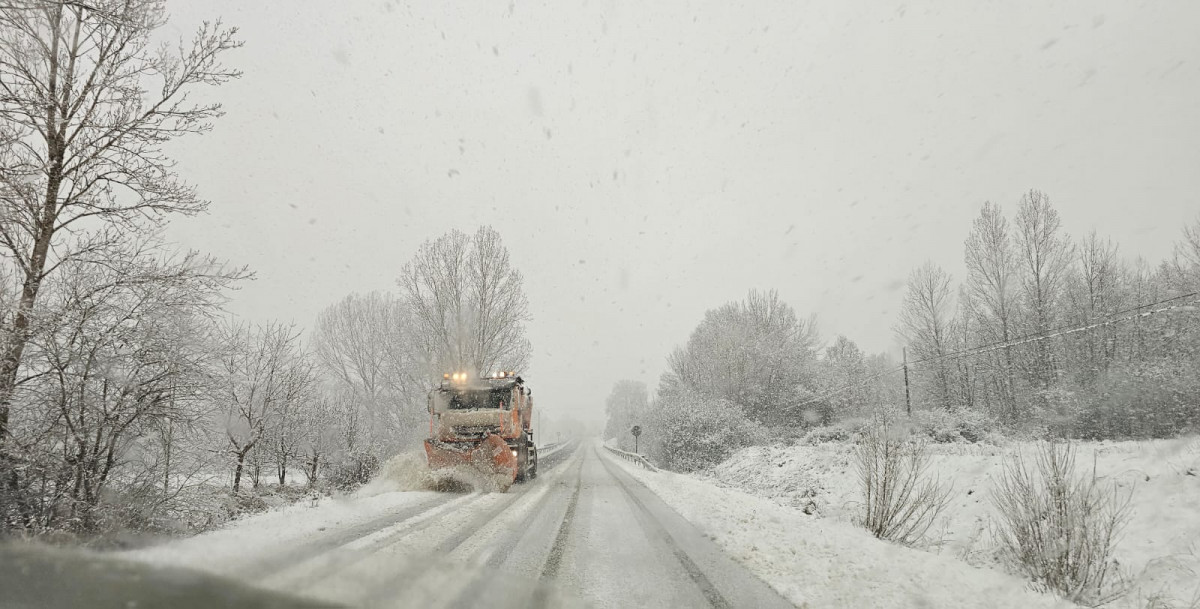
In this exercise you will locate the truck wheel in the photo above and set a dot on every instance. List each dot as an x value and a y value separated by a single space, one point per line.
534 461
522 461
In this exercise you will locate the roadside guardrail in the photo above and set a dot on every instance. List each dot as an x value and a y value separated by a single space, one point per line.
549 449
632 458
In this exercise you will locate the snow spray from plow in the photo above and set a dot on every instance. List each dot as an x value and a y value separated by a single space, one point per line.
410 472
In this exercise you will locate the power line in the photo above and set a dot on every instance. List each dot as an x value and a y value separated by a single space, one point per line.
1051 333
1029 338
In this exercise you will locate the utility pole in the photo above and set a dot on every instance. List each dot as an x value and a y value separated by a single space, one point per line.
907 398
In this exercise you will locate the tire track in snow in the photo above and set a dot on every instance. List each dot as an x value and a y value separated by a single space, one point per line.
541 597
465 532
450 544
337 538
501 555
309 573
342 557
554 559
505 545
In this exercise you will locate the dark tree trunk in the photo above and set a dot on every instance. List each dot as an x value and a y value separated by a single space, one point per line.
312 469
11 362
237 472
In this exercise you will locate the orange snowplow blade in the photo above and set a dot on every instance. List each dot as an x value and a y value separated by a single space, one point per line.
491 455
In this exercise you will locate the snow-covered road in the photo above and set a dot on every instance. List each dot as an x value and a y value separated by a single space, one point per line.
584 533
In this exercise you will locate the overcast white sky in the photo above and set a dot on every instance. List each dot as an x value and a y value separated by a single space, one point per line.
647 161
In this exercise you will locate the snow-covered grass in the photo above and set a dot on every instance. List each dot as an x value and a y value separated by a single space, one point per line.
817 562
284 525
1159 551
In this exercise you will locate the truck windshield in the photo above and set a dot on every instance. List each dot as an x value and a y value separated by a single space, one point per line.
472 400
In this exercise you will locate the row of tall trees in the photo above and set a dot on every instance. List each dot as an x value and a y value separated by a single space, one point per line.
1047 333
125 389
1058 332
102 326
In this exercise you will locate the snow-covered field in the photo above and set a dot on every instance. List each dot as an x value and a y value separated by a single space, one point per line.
827 563
1159 552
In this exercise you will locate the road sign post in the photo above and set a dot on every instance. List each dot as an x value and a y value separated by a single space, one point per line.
636 431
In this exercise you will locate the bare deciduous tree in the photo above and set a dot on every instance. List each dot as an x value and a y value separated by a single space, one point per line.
925 324
263 374
468 304
87 104
120 354
285 438
1183 270
1094 292
350 340
1045 257
754 353
365 343
991 299
844 375
320 423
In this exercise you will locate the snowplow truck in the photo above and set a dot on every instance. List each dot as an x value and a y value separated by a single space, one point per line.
484 423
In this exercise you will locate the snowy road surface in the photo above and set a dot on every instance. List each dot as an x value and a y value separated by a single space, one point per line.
591 530
584 533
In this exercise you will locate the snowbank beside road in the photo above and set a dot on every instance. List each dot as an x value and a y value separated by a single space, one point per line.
824 563
1160 548
248 543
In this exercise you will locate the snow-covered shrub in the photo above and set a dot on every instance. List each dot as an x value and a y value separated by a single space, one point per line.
136 507
353 471
842 431
1055 412
939 426
1144 399
943 426
688 430
1060 527
248 503
900 500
